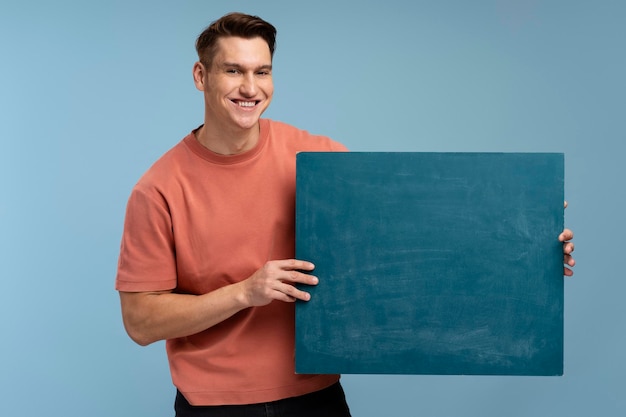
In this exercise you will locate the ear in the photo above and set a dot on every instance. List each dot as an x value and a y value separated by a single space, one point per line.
199 73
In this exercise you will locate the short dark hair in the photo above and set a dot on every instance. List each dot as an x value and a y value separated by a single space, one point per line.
233 24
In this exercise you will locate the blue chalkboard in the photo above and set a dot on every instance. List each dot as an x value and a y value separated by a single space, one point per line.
431 263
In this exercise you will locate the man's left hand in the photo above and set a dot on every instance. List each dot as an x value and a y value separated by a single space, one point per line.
568 247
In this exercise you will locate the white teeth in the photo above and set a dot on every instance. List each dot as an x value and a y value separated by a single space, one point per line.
246 103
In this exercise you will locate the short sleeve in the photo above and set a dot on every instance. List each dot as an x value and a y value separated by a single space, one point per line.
147 260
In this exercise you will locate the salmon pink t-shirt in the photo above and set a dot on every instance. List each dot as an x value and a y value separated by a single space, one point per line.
197 221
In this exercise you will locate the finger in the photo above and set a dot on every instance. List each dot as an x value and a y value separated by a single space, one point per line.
565 204
568 272
287 269
566 235
295 264
296 277
568 247
289 293
568 260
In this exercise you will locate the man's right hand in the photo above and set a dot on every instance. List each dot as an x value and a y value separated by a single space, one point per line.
275 281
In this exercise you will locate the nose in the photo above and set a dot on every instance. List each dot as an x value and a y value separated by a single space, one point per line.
248 87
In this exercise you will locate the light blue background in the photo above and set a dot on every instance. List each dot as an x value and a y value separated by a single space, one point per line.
91 93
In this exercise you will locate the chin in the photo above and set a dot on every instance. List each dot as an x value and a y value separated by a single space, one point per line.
248 125
248 122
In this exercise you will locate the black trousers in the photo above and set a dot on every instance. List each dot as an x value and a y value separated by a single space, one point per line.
329 402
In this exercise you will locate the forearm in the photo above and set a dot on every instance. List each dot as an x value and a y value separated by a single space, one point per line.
152 316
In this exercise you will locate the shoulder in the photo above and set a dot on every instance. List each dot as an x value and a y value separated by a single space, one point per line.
301 139
165 171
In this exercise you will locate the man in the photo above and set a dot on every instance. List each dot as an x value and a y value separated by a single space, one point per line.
206 260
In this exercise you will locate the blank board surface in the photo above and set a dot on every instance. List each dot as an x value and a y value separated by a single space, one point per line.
431 263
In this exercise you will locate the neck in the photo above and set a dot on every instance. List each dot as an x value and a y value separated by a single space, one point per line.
228 143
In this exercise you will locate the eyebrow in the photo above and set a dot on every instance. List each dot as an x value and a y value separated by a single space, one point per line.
239 66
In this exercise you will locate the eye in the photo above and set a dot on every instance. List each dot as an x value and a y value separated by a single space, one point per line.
232 71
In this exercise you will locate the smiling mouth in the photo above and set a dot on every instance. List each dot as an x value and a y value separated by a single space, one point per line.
242 103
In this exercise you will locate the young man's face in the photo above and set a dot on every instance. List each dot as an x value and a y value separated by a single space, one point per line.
238 87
